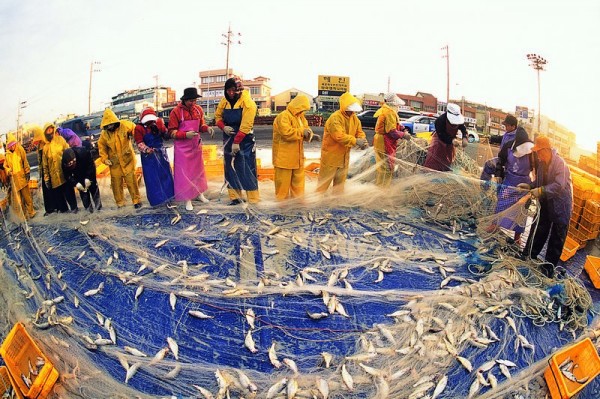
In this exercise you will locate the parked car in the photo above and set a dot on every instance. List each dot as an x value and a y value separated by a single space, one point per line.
406 114
495 139
88 129
420 125
367 119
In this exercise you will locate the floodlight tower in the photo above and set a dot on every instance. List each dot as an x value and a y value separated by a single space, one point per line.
538 63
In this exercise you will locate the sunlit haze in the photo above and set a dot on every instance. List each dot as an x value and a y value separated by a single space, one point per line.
47 46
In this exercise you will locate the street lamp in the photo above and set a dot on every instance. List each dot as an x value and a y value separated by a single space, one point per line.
229 40
20 106
537 62
92 70
447 57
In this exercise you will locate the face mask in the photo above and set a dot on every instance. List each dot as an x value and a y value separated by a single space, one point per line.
49 137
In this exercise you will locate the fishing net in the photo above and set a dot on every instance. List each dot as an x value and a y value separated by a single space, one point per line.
397 292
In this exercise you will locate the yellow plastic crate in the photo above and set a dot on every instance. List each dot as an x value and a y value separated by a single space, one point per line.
592 267
209 152
584 355
571 246
19 350
6 384
592 211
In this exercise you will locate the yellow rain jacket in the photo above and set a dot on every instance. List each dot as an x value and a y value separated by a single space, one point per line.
248 111
288 130
40 141
389 121
16 164
52 158
340 135
116 146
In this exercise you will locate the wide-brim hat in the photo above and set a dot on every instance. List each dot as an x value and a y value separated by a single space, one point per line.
453 114
190 93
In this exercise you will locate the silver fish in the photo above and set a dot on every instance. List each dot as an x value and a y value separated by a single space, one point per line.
173 347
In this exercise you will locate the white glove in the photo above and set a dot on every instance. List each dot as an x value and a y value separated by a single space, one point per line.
315 137
362 143
79 187
211 131
191 134
88 183
228 130
108 162
235 148
524 186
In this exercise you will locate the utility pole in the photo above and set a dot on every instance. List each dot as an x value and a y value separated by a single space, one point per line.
229 40
447 57
155 92
388 90
92 70
538 62
20 106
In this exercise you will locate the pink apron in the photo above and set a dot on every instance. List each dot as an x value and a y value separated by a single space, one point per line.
190 177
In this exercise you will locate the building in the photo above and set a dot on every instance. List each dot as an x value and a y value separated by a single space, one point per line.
212 84
280 101
130 103
420 102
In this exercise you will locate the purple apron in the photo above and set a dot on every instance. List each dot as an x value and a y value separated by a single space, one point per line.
188 165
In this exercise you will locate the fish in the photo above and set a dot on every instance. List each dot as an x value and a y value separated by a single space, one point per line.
84 222
131 371
176 219
161 243
292 388
109 261
323 387
370 370
465 363
103 341
202 212
250 317
172 300
191 228
291 365
505 371
138 292
473 389
273 356
205 392
327 359
134 351
81 255
173 347
439 388
276 388
199 315
246 383
249 342
347 378
160 355
174 372
274 230
113 334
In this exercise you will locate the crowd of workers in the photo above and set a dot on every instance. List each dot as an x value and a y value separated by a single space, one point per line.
66 165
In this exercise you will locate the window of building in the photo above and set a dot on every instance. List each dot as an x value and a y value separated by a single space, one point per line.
255 90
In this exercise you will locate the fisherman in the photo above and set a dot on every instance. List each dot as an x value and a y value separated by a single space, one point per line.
513 167
39 141
388 130
149 135
343 131
116 151
80 173
442 150
235 117
53 176
553 188
17 169
290 131
186 121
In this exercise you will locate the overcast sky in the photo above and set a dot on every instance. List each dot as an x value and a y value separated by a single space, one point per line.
46 47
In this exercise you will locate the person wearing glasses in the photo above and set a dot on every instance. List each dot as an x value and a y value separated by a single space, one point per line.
235 117
186 121
442 151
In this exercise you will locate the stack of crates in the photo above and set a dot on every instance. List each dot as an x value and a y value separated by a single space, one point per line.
580 227
209 152
589 223
21 354
6 385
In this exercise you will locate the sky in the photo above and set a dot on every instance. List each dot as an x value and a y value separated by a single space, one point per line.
46 47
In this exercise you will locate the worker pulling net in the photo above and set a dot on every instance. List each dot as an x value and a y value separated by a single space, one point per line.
396 292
